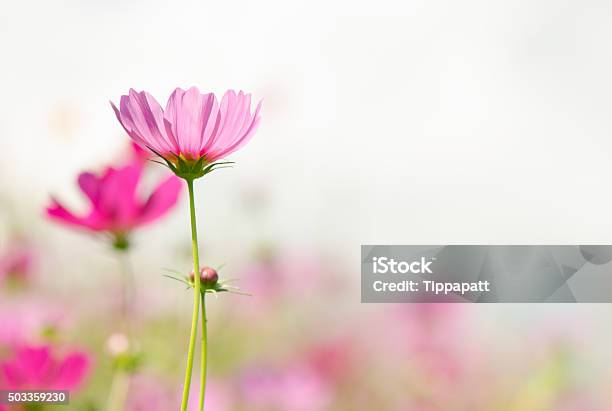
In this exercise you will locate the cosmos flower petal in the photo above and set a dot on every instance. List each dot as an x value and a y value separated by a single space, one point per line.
118 195
143 119
240 110
59 213
28 367
127 124
212 124
35 367
188 112
161 200
11 375
245 118
243 138
147 116
89 184
229 114
72 371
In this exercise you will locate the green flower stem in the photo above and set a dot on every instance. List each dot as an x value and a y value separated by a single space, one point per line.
120 385
196 297
118 391
128 288
204 354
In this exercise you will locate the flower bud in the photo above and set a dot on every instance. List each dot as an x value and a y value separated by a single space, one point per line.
117 344
208 277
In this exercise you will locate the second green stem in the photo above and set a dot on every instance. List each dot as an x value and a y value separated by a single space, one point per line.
204 354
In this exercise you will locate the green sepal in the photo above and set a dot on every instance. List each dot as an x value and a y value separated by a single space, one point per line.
190 169
120 241
128 362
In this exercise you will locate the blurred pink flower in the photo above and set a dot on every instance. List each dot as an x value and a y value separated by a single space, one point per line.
430 332
16 262
116 206
218 397
36 368
148 393
430 344
289 274
333 359
29 320
192 126
295 388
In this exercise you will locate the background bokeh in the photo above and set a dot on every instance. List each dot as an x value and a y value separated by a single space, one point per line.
414 122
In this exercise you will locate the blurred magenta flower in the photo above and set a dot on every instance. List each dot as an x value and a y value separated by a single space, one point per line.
37 368
194 126
116 207
139 154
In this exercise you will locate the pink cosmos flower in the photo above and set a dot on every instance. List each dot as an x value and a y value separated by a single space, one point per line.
194 126
116 206
37 368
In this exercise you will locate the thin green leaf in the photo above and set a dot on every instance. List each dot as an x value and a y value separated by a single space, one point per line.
177 279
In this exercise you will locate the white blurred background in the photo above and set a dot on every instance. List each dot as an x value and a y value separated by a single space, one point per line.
394 122
386 122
